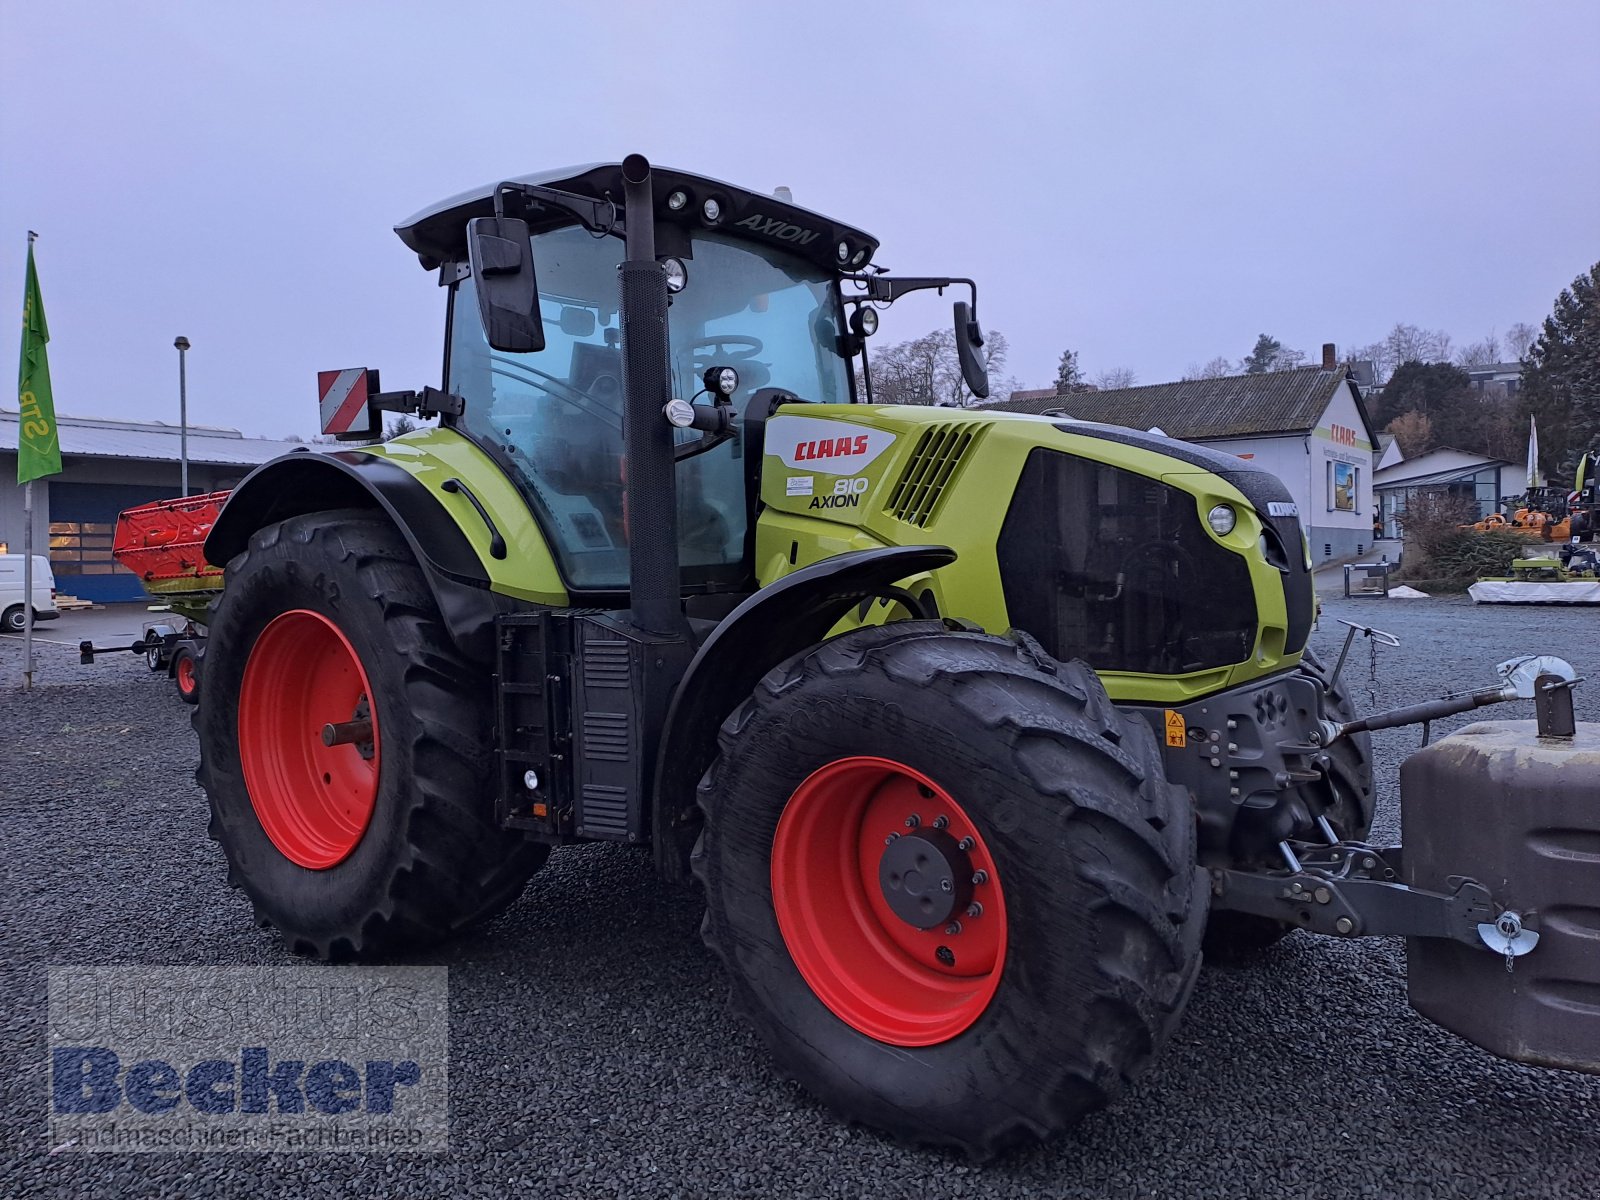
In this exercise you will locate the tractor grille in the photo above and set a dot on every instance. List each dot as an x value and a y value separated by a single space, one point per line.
1114 568
933 466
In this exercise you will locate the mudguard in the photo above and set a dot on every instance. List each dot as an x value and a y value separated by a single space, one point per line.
302 482
779 621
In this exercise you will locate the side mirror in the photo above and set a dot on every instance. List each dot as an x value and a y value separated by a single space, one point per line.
969 342
500 252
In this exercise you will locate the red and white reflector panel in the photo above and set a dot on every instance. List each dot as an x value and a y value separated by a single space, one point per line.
344 397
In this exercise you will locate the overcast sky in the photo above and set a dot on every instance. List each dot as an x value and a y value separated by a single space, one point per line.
1150 184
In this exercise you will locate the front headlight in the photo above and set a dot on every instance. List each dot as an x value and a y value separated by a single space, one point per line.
1222 519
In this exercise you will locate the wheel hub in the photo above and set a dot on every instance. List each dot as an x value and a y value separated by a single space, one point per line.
926 878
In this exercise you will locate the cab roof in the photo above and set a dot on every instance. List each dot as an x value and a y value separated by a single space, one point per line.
438 233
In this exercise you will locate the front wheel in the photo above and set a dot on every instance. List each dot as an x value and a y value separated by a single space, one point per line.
14 619
347 747
953 889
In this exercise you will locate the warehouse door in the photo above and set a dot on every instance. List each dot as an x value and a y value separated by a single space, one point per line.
83 518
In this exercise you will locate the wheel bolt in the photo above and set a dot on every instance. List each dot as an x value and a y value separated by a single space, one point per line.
974 909
946 886
913 821
891 839
980 877
941 822
965 843
953 928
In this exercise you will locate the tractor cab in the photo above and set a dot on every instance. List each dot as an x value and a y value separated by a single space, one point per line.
755 286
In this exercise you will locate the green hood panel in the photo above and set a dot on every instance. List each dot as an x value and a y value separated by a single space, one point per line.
839 477
431 456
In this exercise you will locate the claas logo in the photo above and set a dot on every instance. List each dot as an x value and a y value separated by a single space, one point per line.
829 448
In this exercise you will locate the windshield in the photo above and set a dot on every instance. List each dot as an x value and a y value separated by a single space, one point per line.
556 415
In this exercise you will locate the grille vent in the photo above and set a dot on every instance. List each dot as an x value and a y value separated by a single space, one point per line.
605 664
915 499
605 735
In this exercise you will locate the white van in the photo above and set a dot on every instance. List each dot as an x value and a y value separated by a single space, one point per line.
11 583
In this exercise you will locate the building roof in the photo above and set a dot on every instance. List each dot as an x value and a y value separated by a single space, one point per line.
1048 393
1442 464
152 441
1195 410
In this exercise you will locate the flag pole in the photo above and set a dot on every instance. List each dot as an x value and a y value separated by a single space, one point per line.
27 585
27 563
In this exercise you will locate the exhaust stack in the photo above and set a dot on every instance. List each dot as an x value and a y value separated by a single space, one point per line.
650 490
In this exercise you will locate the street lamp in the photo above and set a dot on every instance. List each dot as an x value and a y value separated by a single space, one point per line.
182 343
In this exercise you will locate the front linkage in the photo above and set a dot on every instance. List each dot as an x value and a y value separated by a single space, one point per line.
1352 889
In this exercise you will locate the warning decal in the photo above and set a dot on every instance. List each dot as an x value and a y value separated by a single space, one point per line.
1177 732
344 401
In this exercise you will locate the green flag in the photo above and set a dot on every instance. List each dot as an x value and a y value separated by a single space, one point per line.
38 448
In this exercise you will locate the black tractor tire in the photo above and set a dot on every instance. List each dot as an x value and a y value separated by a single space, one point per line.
1347 799
1099 893
186 674
432 859
14 619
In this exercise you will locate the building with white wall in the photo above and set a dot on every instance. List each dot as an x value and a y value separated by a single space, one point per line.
1474 478
108 466
1308 426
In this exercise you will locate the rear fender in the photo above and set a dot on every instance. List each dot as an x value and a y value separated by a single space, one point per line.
303 482
776 623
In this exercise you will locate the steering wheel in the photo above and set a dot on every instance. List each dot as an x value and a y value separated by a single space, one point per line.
558 389
735 347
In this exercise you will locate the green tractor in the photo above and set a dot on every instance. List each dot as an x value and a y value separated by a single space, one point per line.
974 727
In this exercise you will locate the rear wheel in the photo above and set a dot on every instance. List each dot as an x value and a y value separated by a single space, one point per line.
953 889
346 746
1346 797
186 674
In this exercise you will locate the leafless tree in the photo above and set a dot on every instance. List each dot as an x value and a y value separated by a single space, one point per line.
1411 343
1520 338
1376 353
1116 377
1480 354
1215 369
926 370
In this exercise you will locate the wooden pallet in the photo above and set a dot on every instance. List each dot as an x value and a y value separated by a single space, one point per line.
73 604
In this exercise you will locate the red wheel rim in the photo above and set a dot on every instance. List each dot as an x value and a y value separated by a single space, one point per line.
314 801
840 842
184 671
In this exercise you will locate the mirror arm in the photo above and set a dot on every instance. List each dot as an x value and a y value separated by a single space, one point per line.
889 288
597 216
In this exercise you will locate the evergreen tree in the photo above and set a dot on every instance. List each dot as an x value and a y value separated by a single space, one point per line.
1260 360
1561 378
1069 377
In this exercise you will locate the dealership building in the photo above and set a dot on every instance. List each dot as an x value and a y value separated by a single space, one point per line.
107 466
1308 426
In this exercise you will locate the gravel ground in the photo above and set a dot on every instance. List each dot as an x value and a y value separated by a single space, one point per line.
593 1051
